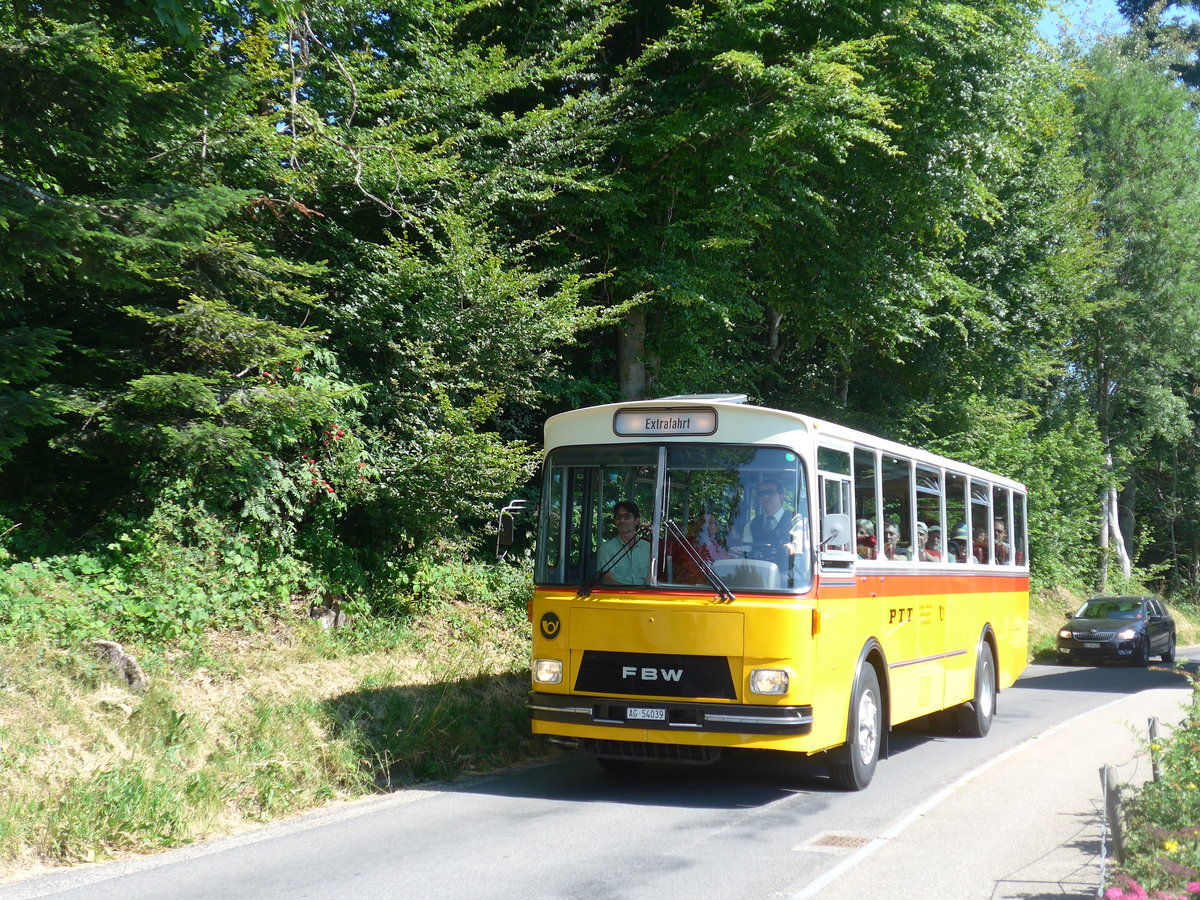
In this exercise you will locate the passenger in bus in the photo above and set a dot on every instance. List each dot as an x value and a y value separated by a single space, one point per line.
866 539
929 538
960 545
1001 537
891 542
703 537
979 543
634 566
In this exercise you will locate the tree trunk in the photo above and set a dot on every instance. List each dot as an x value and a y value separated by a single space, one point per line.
774 318
631 355
1127 511
1110 534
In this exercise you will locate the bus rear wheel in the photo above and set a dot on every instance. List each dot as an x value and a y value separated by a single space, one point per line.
852 766
975 717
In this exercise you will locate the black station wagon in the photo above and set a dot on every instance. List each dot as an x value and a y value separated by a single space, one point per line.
1122 628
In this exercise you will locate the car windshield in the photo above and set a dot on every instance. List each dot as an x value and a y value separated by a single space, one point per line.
1110 608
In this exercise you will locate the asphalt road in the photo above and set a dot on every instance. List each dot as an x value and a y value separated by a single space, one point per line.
754 825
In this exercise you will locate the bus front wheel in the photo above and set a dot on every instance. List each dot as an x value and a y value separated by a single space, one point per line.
852 766
975 717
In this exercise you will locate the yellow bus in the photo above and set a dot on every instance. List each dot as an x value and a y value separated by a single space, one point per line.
712 574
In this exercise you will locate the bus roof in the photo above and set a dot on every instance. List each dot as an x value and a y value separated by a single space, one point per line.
735 422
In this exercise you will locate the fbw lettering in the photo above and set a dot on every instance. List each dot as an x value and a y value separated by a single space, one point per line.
649 674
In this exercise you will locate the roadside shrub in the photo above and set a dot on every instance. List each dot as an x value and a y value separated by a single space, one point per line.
180 575
435 585
1162 821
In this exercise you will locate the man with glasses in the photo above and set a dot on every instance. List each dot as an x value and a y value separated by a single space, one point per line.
634 566
774 533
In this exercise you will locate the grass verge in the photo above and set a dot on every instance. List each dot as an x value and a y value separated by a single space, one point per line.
247 728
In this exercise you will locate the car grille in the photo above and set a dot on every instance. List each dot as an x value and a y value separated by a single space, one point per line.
1093 635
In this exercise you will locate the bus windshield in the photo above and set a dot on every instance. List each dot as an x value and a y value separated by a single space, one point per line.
674 516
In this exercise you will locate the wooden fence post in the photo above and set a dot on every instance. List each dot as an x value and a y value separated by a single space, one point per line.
1112 811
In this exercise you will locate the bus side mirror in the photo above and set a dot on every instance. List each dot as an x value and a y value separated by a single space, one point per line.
505 526
835 529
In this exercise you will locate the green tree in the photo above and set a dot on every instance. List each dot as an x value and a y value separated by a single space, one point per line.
1136 353
295 273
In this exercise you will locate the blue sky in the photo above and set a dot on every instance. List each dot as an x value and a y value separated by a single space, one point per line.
1087 16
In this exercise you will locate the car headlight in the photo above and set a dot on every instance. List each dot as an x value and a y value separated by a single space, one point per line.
1065 633
547 671
1127 634
769 681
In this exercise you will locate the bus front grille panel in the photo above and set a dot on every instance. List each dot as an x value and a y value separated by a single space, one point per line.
635 750
655 675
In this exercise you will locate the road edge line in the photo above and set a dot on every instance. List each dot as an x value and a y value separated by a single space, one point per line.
900 826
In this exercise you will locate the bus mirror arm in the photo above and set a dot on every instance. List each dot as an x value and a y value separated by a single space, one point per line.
835 529
504 526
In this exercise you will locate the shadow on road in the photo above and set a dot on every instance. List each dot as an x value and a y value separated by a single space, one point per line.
1113 678
418 734
740 779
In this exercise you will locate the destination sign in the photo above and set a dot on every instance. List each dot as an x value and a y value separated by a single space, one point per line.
665 421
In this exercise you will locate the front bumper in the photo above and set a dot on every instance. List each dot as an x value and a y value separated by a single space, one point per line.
1106 650
677 716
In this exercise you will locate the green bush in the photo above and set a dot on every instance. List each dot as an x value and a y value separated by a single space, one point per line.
1162 821
435 585
178 576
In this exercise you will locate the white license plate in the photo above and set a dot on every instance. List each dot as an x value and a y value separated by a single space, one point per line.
641 712
1091 646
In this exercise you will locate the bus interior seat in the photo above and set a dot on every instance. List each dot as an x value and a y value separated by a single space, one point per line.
748 573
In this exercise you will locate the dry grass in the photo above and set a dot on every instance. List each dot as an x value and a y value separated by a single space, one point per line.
254 727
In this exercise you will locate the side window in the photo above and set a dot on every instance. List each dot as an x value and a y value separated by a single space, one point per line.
1002 544
897 508
958 535
1019 530
835 499
866 504
931 529
981 521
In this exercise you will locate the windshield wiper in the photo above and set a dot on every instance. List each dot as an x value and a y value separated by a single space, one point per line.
699 561
586 589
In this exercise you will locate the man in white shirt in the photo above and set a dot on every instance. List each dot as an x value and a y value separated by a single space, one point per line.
775 533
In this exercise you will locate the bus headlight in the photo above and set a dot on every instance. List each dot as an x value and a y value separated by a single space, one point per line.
769 681
547 671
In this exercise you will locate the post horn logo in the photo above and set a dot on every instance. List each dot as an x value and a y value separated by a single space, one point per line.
550 626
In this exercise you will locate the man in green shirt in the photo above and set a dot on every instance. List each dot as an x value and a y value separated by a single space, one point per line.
634 566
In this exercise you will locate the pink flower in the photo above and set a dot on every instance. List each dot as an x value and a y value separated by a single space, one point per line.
1135 890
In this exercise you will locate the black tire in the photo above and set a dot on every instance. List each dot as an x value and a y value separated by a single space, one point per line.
852 766
975 717
1141 656
1169 654
618 766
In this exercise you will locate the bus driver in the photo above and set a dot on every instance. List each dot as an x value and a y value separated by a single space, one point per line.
775 533
634 566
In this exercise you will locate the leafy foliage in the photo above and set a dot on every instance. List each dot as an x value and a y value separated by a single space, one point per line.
296 284
1162 838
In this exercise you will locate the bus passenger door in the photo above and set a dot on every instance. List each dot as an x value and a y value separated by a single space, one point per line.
839 636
